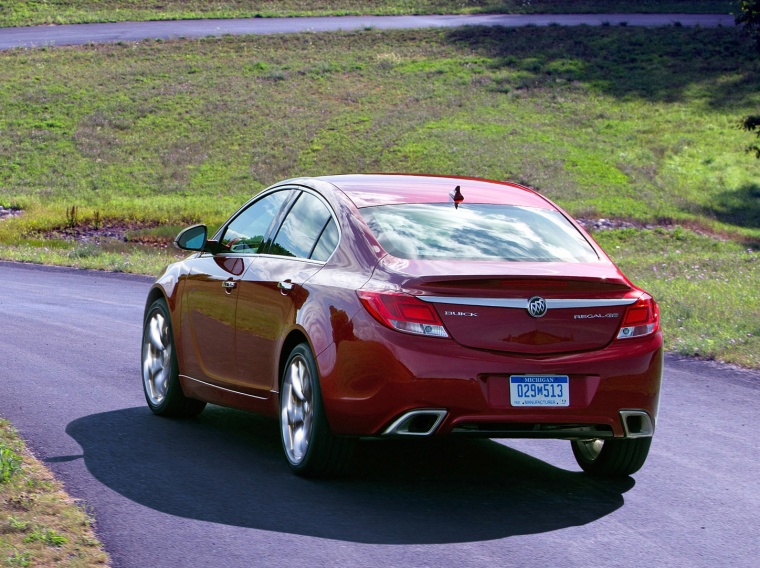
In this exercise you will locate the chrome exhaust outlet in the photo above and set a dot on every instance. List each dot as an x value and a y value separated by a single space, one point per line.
417 423
637 424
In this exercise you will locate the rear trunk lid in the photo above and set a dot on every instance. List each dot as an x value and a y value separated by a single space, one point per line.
537 310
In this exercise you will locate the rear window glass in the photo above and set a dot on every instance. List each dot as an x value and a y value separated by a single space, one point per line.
477 232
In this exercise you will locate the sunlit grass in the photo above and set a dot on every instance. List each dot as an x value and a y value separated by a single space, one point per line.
134 260
707 288
609 122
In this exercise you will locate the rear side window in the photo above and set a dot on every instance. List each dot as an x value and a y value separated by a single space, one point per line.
308 231
477 232
327 242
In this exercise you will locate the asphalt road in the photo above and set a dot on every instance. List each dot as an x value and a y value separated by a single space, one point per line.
77 34
216 492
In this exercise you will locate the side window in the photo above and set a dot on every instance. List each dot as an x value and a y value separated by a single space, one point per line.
327 242
247 231
305 224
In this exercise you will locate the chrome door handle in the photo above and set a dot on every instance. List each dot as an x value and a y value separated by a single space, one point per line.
285 285
229 284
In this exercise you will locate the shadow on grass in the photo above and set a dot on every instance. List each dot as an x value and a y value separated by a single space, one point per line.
226 467
655 64
739 207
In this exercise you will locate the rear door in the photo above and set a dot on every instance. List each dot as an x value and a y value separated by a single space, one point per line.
272 292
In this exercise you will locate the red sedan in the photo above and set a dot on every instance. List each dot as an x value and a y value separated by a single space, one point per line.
400 305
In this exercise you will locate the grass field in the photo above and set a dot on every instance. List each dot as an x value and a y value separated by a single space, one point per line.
611 122
35 12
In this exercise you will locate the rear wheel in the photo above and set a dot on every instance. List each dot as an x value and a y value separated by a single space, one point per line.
612 457
312 450
159 367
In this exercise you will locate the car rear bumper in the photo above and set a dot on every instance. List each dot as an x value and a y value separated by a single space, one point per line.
372 379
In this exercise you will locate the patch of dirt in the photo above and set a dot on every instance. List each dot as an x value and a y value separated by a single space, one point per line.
109 233
7 213
592 225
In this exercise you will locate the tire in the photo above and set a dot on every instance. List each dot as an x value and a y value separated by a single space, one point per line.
612 457
310 447
160 371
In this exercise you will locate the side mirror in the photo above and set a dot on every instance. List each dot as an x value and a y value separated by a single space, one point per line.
194 238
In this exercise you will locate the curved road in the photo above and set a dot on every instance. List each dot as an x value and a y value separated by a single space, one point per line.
215 491
77 34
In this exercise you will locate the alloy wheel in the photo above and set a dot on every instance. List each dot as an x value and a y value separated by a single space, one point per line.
297 412
157 358
590 449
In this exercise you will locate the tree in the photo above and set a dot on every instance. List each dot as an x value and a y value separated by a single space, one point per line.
750 124
749 17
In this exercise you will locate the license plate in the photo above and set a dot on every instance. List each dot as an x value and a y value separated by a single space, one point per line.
539 390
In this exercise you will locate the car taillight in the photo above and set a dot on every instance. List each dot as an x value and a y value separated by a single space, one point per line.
640 319
403 312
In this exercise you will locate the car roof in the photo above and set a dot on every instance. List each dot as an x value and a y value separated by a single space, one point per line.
367 190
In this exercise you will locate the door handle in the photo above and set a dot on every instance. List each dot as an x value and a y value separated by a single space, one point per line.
285 286
229 284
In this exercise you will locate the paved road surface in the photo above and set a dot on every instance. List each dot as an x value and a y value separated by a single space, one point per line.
215 491
78 34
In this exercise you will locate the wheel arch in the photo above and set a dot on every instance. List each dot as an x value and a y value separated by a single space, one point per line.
156 293
294 338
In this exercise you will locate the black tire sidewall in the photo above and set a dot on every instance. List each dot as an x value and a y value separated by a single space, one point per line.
618 457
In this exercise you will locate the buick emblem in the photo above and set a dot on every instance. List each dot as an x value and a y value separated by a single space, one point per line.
537 307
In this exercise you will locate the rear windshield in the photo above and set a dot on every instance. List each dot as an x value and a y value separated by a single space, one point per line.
477 232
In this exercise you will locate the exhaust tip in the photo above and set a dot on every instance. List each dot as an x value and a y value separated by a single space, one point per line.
637 424
417 423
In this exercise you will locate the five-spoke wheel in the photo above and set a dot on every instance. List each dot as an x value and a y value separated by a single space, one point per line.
312 450
297 409
159 367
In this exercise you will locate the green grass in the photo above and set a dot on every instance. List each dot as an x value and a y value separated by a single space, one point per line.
34 12
39 524
614 122
707 289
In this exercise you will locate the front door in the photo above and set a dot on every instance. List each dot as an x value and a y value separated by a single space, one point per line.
212 287
210 293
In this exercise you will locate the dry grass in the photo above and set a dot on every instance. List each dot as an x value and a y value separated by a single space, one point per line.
39 524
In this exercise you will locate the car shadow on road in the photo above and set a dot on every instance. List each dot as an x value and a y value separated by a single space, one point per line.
226 467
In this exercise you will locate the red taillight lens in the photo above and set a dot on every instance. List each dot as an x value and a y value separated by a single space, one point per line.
640 319
403 312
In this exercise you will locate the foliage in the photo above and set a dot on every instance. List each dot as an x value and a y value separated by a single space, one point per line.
10 464
750 124
749 18
47 536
